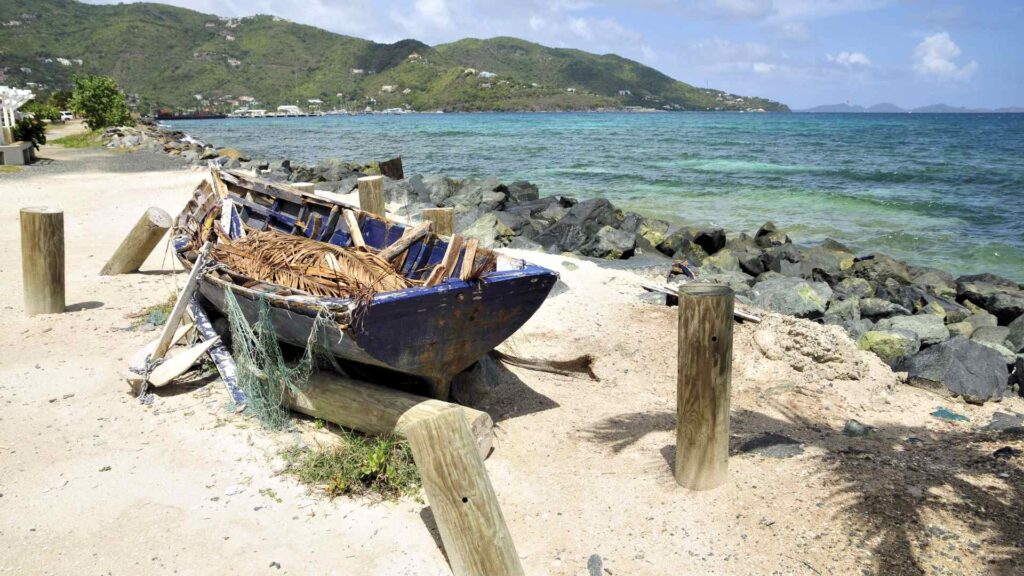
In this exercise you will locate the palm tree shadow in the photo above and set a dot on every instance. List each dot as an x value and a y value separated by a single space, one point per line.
892 482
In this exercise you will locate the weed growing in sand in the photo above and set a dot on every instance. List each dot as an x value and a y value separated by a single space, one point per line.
83 140
376 465
10 169
156 314
270 493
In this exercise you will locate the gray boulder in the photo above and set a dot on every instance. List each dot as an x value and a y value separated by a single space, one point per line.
769 235
877 268
1016 335
738 281
611 243
792 296
820 263
981 319
840 311
579 226
742 242
960 329
490 231
856 328
876 308
487 193
710 238
938 282
854 288
992 335
977 288
523 191
929 328
945 308
1005 306
964 367
890 345
439 188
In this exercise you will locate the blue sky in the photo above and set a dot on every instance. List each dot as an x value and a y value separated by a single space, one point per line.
800 52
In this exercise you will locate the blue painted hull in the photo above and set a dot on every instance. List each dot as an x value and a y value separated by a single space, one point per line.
430 333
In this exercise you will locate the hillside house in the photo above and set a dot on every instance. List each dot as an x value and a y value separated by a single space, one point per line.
570 90
486 74
64 61
387 88
485 85
414 56
470 71
625 93
358 71
407 91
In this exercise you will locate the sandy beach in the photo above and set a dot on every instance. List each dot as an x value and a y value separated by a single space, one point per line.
94 482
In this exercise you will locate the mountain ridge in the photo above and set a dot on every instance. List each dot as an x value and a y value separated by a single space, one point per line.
182 59
889 108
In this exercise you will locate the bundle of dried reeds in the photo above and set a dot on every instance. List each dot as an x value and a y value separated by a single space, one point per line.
317 268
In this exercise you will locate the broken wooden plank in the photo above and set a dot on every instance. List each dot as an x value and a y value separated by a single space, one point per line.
447 264
353 228
403 243
469 258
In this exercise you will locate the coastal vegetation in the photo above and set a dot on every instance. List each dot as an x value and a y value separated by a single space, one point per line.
30 130
81 140
358 464
100 102
164 56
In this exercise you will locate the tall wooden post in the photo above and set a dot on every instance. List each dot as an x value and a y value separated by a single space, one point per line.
461 497
137 245
443 219
42 259
703 385
371 194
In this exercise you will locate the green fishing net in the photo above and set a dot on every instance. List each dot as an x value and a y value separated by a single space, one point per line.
263 373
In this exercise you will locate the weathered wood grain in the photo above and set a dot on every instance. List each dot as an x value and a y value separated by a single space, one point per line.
42 259
376 409
465 507
139 242
703 385
371 194
443 219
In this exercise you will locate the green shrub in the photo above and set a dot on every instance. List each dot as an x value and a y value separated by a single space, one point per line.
83 140
376 465
30 130
41 111
99 100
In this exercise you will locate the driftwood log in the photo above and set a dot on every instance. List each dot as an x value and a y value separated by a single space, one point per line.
703 385
373 409
42 259
137 245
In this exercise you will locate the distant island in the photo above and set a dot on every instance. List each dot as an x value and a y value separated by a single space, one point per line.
887 108
186 62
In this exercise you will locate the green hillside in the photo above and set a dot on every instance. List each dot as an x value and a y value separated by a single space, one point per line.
178 58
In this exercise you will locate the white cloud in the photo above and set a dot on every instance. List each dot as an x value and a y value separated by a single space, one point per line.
743 9
793 31
934 58
849 59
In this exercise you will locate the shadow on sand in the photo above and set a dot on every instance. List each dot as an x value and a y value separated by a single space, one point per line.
891 481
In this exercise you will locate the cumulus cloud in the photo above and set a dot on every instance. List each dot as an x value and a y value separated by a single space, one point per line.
934 58
743 9
849 59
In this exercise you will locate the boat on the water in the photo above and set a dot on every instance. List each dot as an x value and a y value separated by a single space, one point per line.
426 306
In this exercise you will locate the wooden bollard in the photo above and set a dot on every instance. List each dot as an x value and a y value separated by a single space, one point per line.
137 245
42 259
461 497
443 219
371 194
703 385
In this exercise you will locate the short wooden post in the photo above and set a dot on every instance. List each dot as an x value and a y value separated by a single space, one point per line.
371 194
42 259
461 497
703 385
443 219
307 187
137 245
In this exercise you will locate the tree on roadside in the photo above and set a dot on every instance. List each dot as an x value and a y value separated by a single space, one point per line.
99 100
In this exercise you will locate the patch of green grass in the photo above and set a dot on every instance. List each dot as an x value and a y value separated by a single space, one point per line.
156 314
375 465
83 140
10 169
270 493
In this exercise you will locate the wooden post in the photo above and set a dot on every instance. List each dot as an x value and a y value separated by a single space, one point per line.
137 245
371 194
42 259
461 497
373 409
703 385
443 219
307 187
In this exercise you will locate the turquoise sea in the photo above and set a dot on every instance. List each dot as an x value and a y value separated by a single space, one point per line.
931 189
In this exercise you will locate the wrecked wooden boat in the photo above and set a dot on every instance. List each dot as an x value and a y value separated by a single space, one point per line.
400 297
